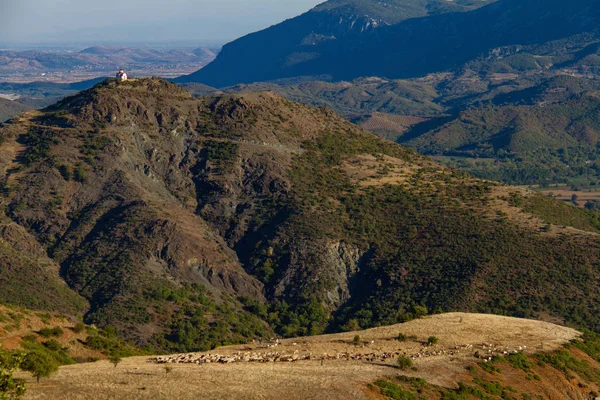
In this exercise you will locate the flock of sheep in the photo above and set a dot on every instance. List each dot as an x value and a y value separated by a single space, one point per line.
270 357
483 351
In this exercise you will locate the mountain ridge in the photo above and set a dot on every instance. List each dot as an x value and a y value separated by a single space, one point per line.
412 47
188 223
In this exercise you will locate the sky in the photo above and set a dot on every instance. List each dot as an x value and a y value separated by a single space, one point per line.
105 21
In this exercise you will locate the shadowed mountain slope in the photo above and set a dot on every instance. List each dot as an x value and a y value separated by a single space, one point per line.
9 109
309 46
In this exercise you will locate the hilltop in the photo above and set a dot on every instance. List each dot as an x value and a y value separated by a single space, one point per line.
190 223
529 359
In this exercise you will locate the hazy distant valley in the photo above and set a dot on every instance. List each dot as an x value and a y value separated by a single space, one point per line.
67 65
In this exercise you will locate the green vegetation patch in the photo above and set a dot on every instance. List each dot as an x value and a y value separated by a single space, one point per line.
223 154
558 213
39 141
394 391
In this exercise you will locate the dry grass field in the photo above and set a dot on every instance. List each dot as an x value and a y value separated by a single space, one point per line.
459 335
566 195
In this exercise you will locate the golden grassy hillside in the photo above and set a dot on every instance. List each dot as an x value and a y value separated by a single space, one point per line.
446 364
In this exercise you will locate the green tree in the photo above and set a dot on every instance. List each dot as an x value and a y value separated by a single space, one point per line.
11 388
420 311
40 364
351 325
115 360
574 199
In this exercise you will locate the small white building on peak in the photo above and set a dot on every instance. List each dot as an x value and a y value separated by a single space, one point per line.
121 75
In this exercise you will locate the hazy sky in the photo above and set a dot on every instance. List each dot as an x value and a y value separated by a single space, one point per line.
211 21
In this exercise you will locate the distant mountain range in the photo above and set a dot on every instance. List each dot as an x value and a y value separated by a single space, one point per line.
398 39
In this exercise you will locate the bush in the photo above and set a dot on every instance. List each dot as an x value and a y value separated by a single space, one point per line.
115 360
519 361
404 362
351 325
30 338
79 174
394 391
79 327
432 340
40 364
49 332
401 337
10 387
52 345
356 339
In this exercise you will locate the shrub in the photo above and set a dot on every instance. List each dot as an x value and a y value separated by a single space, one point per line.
79 174
519 361
401 337
404 362
115 360
79 327
432 340
66 171
394 391
356 339
52 345
48 332
30 338
40 364
351 325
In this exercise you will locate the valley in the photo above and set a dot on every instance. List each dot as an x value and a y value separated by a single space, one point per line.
69 65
